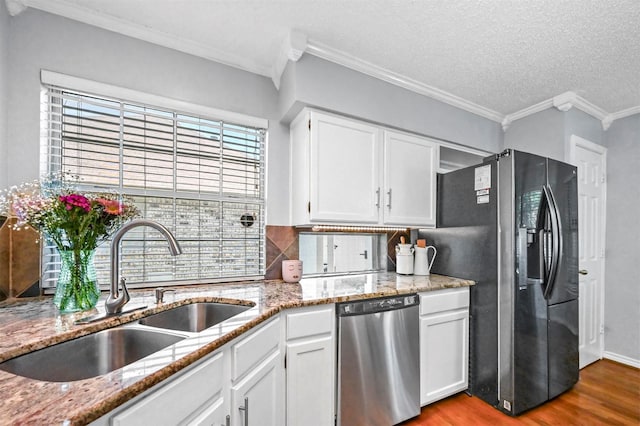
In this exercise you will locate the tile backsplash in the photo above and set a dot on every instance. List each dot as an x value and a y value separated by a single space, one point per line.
282 244
19 261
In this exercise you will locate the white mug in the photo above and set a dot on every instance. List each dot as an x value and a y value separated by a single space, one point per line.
291 270
422 265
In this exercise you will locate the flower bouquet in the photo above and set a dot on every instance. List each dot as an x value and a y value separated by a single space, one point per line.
76 223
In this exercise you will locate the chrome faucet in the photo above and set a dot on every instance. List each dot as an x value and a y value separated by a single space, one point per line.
117 300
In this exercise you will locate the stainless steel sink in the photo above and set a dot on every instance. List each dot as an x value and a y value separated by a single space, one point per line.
89 356
194 317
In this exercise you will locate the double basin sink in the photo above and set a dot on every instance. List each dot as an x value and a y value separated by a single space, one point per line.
108 350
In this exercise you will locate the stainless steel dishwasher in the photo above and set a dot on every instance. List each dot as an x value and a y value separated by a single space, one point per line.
378 361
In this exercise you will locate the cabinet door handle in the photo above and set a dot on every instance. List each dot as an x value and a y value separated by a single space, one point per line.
389 195
378 197
245 408
227 420
583 272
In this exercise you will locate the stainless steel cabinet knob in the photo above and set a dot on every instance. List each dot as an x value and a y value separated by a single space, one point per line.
583 272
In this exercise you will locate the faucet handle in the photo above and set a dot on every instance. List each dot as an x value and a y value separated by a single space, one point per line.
125 291
160 291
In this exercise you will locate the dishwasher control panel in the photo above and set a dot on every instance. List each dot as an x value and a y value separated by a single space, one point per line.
368 306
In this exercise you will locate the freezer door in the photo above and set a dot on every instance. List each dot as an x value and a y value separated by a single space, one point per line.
563 347
563 185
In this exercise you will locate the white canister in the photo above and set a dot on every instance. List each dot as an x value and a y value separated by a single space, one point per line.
291 270
404 264
404 259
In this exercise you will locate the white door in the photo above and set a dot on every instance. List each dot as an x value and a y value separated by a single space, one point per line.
590 159
410 165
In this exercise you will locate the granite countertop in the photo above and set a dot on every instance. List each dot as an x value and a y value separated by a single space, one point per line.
34 324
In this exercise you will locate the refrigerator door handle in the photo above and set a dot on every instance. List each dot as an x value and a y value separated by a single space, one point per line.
543 238
542 252
556 240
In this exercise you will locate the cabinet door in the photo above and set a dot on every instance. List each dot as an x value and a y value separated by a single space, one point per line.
410 165
214 415
311 382
444 355
179 399
257 400
345 172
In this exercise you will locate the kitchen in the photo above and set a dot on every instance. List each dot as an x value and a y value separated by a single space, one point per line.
34 40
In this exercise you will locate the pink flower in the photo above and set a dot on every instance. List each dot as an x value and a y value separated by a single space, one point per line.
76 200
114 207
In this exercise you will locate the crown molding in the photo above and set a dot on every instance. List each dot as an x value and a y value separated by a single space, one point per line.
292 49
567 100
564 102
15 7
330 54
540 106
620 114
122 26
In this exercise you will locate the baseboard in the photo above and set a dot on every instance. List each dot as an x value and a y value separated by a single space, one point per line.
622 359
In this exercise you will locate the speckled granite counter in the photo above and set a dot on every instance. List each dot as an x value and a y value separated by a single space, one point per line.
34 324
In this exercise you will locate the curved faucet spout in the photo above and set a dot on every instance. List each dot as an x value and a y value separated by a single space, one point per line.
117 300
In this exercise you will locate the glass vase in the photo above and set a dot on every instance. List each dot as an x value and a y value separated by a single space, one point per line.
77 288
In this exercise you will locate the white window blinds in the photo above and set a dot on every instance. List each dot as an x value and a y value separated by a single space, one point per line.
202 178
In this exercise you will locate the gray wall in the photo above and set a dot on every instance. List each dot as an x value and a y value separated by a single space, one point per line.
622 286
95 54
548 132
4 69
317 82
581 124
43 41
541 134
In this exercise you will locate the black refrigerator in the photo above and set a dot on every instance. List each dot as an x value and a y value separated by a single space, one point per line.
511 224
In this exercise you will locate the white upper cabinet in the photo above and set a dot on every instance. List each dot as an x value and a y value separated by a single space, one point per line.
409 180
345 171
344 167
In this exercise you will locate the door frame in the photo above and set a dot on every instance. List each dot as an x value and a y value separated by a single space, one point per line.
576 142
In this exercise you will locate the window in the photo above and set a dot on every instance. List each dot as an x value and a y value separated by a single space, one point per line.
202 178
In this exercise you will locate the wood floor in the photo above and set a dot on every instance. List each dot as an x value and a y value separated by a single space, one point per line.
608 393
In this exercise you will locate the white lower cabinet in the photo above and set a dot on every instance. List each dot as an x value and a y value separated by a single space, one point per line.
257 399
185 399
214 391
214 415
311 366
444 343
249 382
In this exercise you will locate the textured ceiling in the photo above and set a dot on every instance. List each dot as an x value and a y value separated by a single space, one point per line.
502 55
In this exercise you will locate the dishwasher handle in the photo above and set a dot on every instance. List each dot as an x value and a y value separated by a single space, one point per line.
372 306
